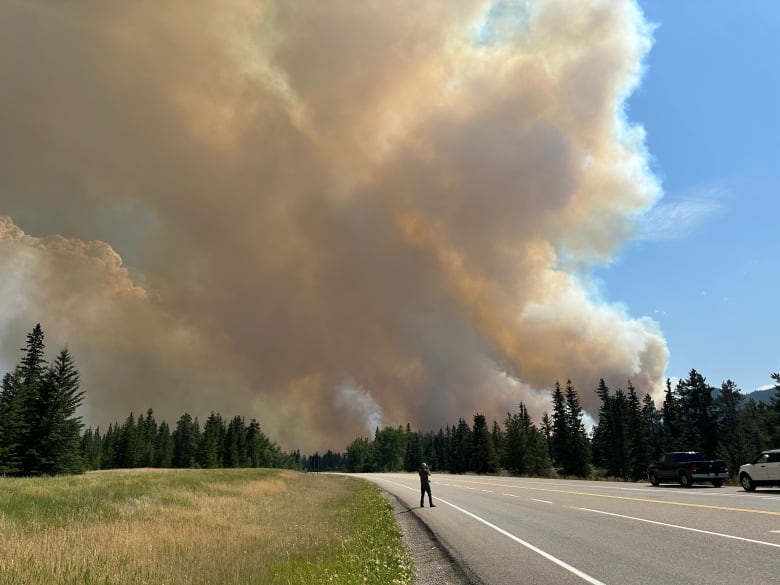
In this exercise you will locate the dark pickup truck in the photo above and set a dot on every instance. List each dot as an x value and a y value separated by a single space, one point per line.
687 467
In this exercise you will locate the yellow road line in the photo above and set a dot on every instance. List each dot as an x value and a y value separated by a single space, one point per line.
628 498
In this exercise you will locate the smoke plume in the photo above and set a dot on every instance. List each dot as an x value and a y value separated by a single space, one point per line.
324 215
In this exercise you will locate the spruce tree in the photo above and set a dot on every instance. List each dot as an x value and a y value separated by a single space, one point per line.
639 436
483 453
235 446
579 454
413 456
653 422
64 424
185 442
700 428
560 441
212 440
461 447
30 377
774 416
163 447
13 425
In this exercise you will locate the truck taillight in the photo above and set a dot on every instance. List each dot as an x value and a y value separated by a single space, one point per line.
693 467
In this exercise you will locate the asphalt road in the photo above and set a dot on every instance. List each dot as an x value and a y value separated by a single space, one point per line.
537 531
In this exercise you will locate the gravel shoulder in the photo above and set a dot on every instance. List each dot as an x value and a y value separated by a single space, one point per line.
433 563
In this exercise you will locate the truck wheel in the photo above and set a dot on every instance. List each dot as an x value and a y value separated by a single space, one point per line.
717 482
747 483
654 479
685 480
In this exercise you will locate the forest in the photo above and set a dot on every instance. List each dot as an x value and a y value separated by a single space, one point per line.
41 434
628 434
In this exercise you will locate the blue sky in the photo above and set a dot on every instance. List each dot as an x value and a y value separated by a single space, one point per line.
706 265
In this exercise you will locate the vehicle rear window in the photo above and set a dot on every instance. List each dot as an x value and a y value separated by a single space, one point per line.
683 457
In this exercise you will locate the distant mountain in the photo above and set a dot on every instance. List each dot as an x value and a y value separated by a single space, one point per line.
762 395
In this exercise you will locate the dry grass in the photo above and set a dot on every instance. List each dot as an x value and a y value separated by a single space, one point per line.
197 527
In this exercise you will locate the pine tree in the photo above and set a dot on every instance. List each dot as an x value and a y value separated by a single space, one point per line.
774 411
672 420
653 422
30 378
602 432
700 429
65 425
483 452
639 436
560 441
579 454
13 425
515 453
185 442
127 444
413 456
235 448
259 450
163 446
212 441
461 447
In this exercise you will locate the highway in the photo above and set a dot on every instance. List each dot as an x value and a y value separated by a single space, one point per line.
567 532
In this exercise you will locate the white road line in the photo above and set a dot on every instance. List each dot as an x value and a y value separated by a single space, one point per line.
680 527
488 491
582 575
542 501
511 495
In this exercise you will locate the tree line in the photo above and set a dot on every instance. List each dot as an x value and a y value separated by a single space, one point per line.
629 434
41 434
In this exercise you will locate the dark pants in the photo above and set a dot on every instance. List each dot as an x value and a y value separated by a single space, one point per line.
425 488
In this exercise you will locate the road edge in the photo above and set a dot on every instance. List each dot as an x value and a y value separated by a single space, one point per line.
434 563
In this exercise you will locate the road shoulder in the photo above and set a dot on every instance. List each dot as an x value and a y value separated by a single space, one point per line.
433 564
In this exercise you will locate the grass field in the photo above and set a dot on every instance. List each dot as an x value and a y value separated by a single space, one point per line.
212 527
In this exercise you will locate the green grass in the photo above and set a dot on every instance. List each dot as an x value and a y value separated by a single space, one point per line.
198 527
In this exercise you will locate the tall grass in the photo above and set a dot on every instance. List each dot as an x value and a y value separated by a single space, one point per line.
192 527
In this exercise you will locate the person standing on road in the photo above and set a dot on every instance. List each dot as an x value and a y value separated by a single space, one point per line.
425 485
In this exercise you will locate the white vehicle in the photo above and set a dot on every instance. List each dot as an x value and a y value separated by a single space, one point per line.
765 470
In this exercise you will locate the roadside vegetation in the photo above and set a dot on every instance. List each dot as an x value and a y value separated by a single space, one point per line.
197 526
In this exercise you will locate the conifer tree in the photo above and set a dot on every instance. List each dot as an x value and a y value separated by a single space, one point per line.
560 431
774 414
672 420
259 450
126 455
653 422
639 436
13 425
413 456
483 452
30 378
185 442
163 446
461 447
211 448
579 455
515 453
700 429
235 447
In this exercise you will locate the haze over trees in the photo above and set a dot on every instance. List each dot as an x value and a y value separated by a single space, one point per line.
41 434
628 434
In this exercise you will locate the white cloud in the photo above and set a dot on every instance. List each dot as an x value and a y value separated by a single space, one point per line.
677 218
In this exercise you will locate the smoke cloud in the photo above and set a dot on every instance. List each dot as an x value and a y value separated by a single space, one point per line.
324 215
